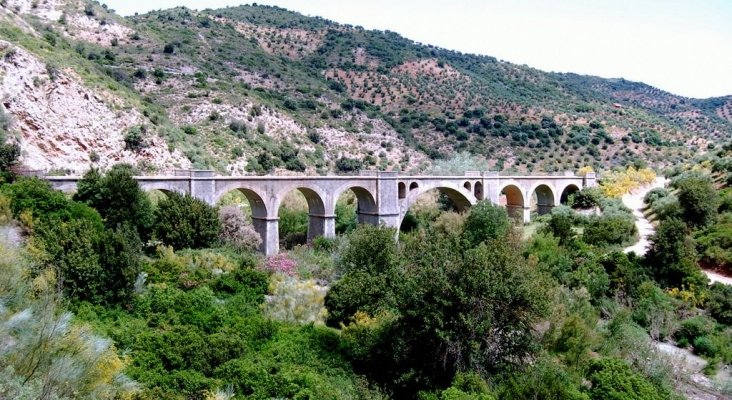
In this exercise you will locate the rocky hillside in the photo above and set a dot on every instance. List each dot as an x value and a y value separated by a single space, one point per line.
257 89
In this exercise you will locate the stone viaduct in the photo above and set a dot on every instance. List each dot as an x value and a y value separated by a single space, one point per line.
383 197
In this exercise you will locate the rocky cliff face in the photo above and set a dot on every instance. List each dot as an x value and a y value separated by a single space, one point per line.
65 125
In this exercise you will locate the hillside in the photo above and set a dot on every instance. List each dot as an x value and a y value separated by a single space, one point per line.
254 89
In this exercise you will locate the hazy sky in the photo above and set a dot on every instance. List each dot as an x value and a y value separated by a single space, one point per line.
682 46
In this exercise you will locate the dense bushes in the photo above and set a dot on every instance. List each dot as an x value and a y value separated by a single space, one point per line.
118 198
184 222
613 379
442 304
609 230
585 198
698 200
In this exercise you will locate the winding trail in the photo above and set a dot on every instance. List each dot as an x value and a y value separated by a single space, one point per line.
634 201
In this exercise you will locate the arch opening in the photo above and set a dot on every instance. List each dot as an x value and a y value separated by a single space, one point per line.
251 204
568 191
402 190
513 200
302 217
413 185
542 200
478 190
467 186
430 206
157 195
354 206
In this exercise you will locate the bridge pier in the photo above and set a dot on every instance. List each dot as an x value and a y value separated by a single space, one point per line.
321 225
527 214
203 186
269 230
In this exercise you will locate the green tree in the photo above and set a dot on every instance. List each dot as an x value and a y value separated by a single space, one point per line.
183 222
672 257
612 379
118 198
486 221
698 200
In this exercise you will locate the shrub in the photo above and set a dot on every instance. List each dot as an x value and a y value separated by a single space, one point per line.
236 231
719 303
485 222
704 346
655 195
585 198
698 201
183 222
672 258
609 230
543 380
282 264
345 164
370 249
294 301
324 244
693 328
118 198
560 224
613 379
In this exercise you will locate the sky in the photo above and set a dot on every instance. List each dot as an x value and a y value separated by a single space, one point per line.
681 46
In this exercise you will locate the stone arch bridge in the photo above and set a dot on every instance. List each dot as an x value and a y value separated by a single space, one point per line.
383 197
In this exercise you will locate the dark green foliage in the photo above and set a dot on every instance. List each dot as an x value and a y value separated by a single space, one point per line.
543 380
608 230
324 244
466 309
486 222
361 291
672 258
44 203
719 303
698 201
370 249
560 225
345 164
118 198
613 379
184 222
586 198
293 226
714 243
9 153
693 328
72 248
120 253
655 195
346 218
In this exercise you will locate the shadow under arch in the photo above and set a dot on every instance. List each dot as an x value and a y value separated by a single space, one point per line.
542 199
513 200
460 197
568 190
319 221
366 210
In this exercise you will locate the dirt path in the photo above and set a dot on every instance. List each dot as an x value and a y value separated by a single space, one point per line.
634 201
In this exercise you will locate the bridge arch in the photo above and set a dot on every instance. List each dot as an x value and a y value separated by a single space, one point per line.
513 199
402 189
542 198
321 221
366 208
478 190
566 191
461 197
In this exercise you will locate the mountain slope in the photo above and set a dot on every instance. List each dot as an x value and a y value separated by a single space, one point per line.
259 88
